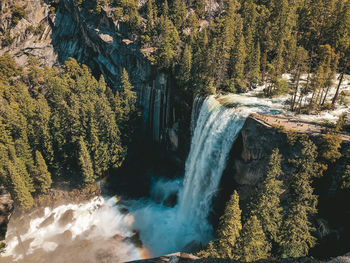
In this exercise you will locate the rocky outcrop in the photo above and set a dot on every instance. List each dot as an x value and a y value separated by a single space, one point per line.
263 133
30 35
6 209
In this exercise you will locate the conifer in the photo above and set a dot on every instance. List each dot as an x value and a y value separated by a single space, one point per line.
346 178
229 229
296 233
268 207
42 175
85 163
185 65
253 245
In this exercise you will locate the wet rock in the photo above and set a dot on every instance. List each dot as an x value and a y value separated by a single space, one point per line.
48 221
63 238
66 218
6 209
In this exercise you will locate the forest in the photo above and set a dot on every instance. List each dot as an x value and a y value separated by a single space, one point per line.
60 125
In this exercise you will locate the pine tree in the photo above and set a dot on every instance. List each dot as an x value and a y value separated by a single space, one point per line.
42 175
127 94
229 229
167 52
346 178
165 10
150 16
185 65
200 8
238 68
178 14
209 252
18 184
253 245
268 207
296 237
127 102
85 163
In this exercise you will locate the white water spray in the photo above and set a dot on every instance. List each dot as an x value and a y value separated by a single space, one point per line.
88 232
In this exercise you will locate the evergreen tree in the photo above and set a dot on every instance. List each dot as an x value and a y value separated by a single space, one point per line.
253 244
229 229
209 252
200 8
341 41
185 65
42 175
85 163
296 229
239 57
167 52
178 14
268 207
346 178
165 10
150 16
330 146
17 175
126 99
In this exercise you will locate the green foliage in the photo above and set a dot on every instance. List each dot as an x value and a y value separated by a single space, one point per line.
59 125
330 145
85 163
168 48
297 228
253 245
18 184
18 12
8 67
42 176
346 178
229 229
8 39
209 252
268 208
185 65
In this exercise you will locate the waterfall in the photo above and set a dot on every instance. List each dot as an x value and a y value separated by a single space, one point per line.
216 129
181 228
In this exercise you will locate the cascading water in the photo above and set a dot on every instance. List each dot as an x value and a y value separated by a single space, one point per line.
216 129
162 229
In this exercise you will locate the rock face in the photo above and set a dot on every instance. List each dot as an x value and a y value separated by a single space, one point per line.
106 47
31 35
55 30
6 209
259 136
